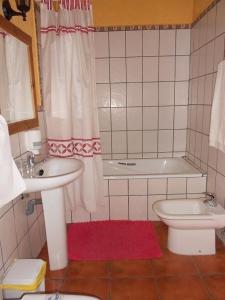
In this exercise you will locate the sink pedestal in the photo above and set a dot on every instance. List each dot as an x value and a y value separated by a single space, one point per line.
55 224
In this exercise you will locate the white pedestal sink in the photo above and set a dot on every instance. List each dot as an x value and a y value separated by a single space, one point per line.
49 177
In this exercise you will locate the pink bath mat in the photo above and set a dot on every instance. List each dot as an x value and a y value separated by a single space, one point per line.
113 240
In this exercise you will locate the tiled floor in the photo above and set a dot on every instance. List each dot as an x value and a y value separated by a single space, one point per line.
172 277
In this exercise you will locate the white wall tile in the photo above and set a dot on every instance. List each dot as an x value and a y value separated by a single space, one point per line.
103 95
117 70
196 185
183 42
150 94
167 68
150 118
180 121
182 68
7 234
118 118
220 22
119 208
118 95
167 42
21 222
24 249
134 94
117 43
150 139
105 138
209 57
150 42
104 119
165 142
137 187
134 118
211 24
101 44
134 141
138 207
15 146
181 93
177 186
134 69
150 69
166 115
134 43
219 51
180 140
166 93
102 70
220 188
118 187
157 186
119 144
151 200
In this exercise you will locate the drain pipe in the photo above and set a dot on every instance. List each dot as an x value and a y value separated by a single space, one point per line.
30 205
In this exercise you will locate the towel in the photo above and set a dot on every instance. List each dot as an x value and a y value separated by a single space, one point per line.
217 127
11 182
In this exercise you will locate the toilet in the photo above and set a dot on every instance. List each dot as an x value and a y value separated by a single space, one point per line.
192 224
57 297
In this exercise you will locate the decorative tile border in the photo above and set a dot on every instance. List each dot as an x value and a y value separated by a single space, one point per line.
142 27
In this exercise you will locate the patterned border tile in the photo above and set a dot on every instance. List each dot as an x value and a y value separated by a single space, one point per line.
142 27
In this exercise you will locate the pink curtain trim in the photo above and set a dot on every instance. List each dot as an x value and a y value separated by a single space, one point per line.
74 146
66 29
2 33
70 4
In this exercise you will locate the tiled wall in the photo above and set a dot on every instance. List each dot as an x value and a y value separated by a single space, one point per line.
21 236
207 50
132 199
142 88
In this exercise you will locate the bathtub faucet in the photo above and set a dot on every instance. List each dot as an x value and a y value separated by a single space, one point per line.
211 201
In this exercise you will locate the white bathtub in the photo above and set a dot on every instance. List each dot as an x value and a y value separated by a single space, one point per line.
149 168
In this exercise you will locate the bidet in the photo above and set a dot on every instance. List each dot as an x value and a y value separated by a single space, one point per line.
192 224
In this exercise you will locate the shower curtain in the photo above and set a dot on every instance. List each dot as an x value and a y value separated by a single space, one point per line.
68 83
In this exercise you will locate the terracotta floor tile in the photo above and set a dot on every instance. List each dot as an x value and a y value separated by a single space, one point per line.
173 264
59 274
133 289
182 288
94 287
131 268
52 285
89 269
211 263
162 233
216 286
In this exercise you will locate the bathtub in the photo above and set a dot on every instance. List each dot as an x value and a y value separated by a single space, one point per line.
132 186
149 168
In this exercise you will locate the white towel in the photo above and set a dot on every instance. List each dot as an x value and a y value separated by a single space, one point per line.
11 182
217 127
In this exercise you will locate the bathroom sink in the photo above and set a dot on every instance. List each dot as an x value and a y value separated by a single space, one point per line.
53 173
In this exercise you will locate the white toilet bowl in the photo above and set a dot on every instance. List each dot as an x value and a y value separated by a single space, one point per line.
192 224
56 297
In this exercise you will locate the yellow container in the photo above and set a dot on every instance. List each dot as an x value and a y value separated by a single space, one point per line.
24 276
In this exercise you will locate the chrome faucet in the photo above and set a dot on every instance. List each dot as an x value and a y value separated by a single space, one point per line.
30 160
211 201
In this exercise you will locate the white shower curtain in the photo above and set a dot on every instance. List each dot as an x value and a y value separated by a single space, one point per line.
68 80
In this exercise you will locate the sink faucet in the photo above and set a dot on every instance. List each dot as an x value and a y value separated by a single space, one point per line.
31 159
211 201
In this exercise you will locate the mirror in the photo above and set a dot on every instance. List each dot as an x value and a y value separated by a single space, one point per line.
17 86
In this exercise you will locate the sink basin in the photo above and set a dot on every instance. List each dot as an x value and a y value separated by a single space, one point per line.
49 177
53 173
